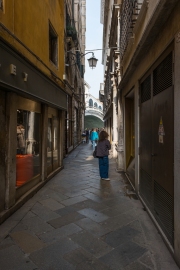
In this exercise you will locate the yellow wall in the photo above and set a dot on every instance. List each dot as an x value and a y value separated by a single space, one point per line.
29 20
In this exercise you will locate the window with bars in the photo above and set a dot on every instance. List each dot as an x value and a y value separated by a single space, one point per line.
53 45
163 75
130 11
146 89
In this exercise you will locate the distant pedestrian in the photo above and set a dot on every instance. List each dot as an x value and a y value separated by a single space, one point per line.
87 135
102 153
97 130
94 138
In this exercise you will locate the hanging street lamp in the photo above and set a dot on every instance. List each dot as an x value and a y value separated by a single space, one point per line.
92 61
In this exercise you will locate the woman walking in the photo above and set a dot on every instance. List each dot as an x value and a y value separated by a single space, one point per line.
102 153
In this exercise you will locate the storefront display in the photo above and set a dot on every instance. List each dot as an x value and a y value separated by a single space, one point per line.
28 146
52 140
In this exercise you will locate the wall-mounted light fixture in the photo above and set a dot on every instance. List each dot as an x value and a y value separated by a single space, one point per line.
13 69
25 76
92 60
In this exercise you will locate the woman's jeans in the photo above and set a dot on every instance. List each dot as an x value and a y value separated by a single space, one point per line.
104 166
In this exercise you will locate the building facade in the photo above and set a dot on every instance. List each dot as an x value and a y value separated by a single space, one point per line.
37 105
110 60
75 21
148 106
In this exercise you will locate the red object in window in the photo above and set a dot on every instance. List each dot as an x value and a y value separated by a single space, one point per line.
24 169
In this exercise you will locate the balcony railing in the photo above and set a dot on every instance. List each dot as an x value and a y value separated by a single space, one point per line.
129 15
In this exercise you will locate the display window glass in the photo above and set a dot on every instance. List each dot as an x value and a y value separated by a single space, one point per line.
52 143
49 143
28 146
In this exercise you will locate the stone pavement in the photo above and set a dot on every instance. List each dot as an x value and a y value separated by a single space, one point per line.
77 221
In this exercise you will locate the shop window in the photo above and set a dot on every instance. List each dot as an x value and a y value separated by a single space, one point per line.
69 122
52 144
28 146
53 45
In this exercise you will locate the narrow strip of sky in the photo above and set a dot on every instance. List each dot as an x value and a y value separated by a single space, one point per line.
94 40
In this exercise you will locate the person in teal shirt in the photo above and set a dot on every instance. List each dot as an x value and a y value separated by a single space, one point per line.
94 138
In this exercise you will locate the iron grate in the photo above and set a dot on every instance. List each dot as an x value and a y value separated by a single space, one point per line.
130 11
164 210
162 75
146 89
146 190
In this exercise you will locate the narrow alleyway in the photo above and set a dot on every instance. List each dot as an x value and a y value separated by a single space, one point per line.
77 221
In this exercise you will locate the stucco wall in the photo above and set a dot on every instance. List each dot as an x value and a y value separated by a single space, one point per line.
29 22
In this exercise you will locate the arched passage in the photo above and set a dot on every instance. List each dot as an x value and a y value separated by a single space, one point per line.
91 121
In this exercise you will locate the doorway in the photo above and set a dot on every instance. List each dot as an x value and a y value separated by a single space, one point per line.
156 144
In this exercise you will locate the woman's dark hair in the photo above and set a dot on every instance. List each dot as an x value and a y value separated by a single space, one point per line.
103 136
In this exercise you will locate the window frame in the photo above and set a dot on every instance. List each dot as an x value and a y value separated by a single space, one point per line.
53 45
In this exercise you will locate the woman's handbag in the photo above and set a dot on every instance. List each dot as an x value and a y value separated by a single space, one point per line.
95 152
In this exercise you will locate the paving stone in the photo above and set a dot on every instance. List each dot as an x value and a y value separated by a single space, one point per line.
93 197
147 260
13 258
51 257
34 224
93 227
137 266
90 204
76 193
60 233
123 255
95 191
27 242
78 256
84 260
74 200
7 242
57 196
52 204
93 245
43 212
120 236
92 214
95 265
66 219
66 210
6 227
115 211
29 215
121 220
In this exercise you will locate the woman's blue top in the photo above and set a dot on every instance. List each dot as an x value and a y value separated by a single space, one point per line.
94 136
